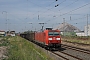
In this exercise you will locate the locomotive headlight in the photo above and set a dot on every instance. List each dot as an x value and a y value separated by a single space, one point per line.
57 38
49 38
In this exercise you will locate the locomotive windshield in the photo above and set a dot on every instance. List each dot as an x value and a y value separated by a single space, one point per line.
53 34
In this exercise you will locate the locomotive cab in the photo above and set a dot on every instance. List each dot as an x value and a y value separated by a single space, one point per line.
53 38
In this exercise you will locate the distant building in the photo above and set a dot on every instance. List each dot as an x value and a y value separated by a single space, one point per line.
70 30
67 29
80 33
10 33
2 33
87 30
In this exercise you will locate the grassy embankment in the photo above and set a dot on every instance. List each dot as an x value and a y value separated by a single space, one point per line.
75 39
21 49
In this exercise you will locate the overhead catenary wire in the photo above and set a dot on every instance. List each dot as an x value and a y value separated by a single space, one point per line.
68 12
38 15
60 3
57 4
40 6
73 10
67 5
53 7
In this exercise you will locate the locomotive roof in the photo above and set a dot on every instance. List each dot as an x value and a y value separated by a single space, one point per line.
52 30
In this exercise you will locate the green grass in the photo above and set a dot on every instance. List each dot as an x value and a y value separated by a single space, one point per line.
83 40
4 43
21 49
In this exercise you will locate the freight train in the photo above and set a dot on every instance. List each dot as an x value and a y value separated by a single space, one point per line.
48 38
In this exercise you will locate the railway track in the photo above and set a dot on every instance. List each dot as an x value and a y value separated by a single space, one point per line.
65 56
76 49
60 56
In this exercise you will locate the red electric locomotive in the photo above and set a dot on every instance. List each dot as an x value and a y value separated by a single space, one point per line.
49 38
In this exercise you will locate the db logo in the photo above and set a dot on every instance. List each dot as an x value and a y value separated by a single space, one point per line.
54 38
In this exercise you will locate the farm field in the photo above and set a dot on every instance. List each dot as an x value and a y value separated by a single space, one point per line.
17 48
81 42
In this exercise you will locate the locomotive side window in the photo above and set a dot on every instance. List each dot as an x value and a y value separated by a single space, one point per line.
56 33
50 33
53 33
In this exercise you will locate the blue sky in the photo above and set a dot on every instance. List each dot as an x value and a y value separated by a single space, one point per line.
19 14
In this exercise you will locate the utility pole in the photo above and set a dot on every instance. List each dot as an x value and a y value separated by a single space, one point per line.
6 20
87 25
70 18
63 26
31 24
42 24
38 16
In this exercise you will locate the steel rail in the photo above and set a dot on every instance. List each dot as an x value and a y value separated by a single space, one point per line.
59 55
70 55
76 49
